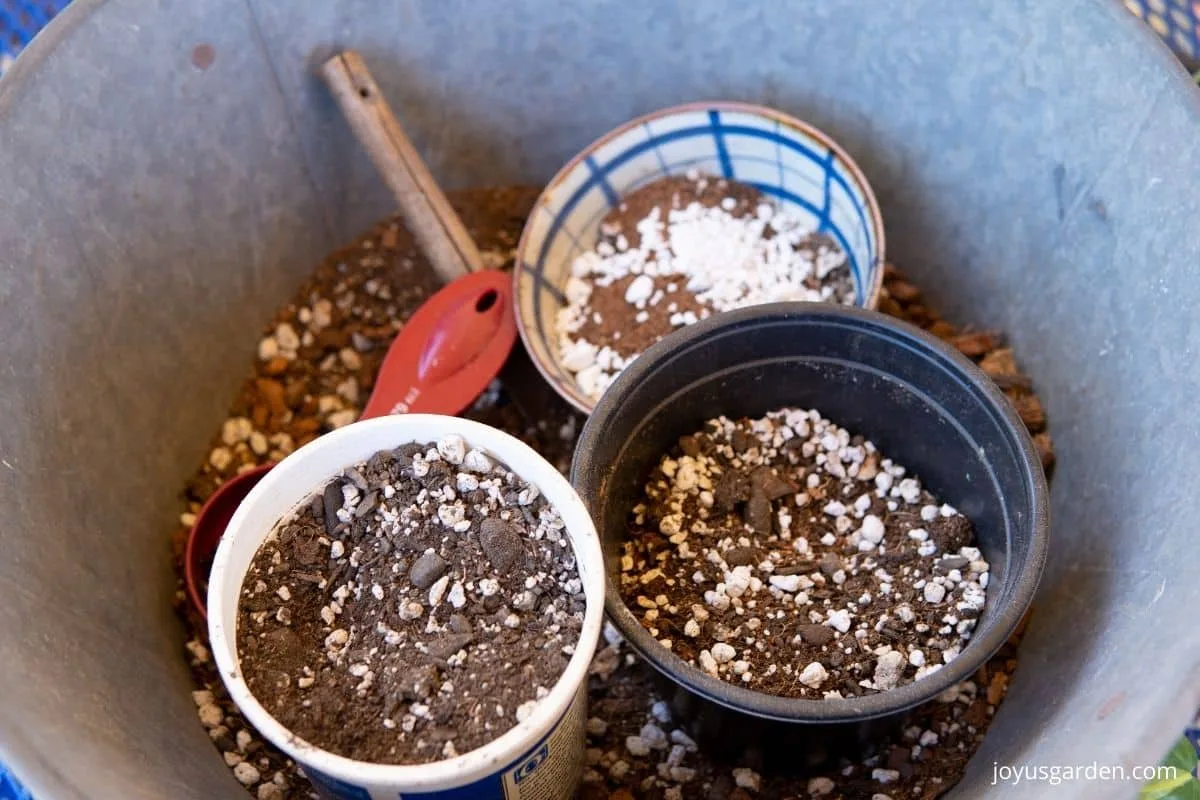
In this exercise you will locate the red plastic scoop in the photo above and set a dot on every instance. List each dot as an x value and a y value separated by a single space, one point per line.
450 350
443 358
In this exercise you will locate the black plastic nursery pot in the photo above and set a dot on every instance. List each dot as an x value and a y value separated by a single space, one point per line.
921 403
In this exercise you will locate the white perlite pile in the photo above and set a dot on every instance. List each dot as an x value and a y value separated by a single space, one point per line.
786 555
687 263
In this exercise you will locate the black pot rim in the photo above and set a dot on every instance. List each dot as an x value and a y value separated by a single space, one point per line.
1013 603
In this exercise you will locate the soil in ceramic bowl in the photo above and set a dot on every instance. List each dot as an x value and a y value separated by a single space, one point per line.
676 251
418 607
788 556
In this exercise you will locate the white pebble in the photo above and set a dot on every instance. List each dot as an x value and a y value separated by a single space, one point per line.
639 290
477 461
681 738
934 593
637 746
839 620
814 675
785 583
722 653
747 779
819 787
247 774
653 736
834 509
286 337
340 419
211 715
350 358
258 443
220 458
718 600
910 490
737 581
452 448
525 710
236 429
888 670
872 529
885 776
438 590
200 653
580 357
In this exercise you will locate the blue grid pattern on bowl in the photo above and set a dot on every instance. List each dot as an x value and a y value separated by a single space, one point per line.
792 165
1177 22
20 20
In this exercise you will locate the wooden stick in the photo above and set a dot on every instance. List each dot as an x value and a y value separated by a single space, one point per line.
440 233
438 230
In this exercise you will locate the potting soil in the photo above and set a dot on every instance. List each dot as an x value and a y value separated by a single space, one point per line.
314 367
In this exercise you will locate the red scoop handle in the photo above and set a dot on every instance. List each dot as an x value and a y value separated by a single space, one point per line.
450 349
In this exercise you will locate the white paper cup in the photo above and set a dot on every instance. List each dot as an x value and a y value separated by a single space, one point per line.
541 757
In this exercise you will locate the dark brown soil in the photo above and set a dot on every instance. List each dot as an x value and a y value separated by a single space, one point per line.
417 608
383 279
783 555
613 322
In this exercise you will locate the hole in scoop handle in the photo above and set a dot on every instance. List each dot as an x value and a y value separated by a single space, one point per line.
459 336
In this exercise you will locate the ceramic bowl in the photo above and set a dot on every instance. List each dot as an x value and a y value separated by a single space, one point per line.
792 163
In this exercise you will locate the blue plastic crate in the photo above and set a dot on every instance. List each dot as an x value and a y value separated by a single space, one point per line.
9 788
1177 22
20 20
